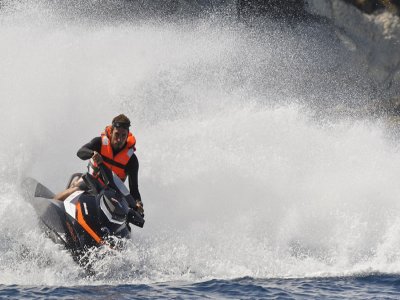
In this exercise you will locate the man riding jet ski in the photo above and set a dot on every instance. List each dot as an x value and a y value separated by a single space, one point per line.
115 149
96 206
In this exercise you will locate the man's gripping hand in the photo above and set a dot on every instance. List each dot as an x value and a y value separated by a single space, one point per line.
97 158
139 207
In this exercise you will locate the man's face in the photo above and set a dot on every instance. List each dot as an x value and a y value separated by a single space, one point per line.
118 138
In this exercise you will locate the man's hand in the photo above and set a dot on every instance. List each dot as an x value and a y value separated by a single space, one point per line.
97 158
139 207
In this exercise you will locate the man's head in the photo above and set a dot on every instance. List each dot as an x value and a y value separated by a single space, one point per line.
119 131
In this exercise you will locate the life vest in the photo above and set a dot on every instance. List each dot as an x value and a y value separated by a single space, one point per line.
117 163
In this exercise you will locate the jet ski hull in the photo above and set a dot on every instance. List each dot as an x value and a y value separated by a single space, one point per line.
78 223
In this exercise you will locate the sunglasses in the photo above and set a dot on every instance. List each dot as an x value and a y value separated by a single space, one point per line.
121 125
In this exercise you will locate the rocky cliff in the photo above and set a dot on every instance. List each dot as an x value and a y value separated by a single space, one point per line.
372 32
369 29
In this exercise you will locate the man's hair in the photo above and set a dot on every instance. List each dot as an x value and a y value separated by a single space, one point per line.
121 120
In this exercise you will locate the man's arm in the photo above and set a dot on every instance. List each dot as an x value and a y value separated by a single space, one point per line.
87 150
132 169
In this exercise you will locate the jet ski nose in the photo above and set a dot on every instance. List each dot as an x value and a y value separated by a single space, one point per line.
112 207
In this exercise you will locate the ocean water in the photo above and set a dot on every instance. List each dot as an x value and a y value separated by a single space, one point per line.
362 287
255 184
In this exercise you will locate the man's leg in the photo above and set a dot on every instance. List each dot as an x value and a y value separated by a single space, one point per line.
76 185
64 194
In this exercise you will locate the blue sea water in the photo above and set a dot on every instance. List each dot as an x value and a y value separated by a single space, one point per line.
375 286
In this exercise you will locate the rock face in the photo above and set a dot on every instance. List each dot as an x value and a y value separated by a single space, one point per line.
370 6
369 29
374 38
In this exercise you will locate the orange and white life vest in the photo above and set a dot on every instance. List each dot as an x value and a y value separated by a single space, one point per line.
117 163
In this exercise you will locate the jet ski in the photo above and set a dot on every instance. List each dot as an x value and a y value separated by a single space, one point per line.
98 216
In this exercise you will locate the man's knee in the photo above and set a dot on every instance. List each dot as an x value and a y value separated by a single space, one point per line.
80 184
64 194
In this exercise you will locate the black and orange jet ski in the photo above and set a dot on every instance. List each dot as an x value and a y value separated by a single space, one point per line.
98 216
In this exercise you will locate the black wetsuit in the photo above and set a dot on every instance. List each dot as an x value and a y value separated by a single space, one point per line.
131 169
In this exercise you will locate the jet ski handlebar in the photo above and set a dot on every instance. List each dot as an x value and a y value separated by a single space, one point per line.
113 182
104 175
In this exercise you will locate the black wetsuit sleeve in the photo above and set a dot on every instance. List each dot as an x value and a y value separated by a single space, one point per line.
132 169
87 150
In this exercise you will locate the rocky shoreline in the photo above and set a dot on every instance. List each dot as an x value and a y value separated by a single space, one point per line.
375 40
368 29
